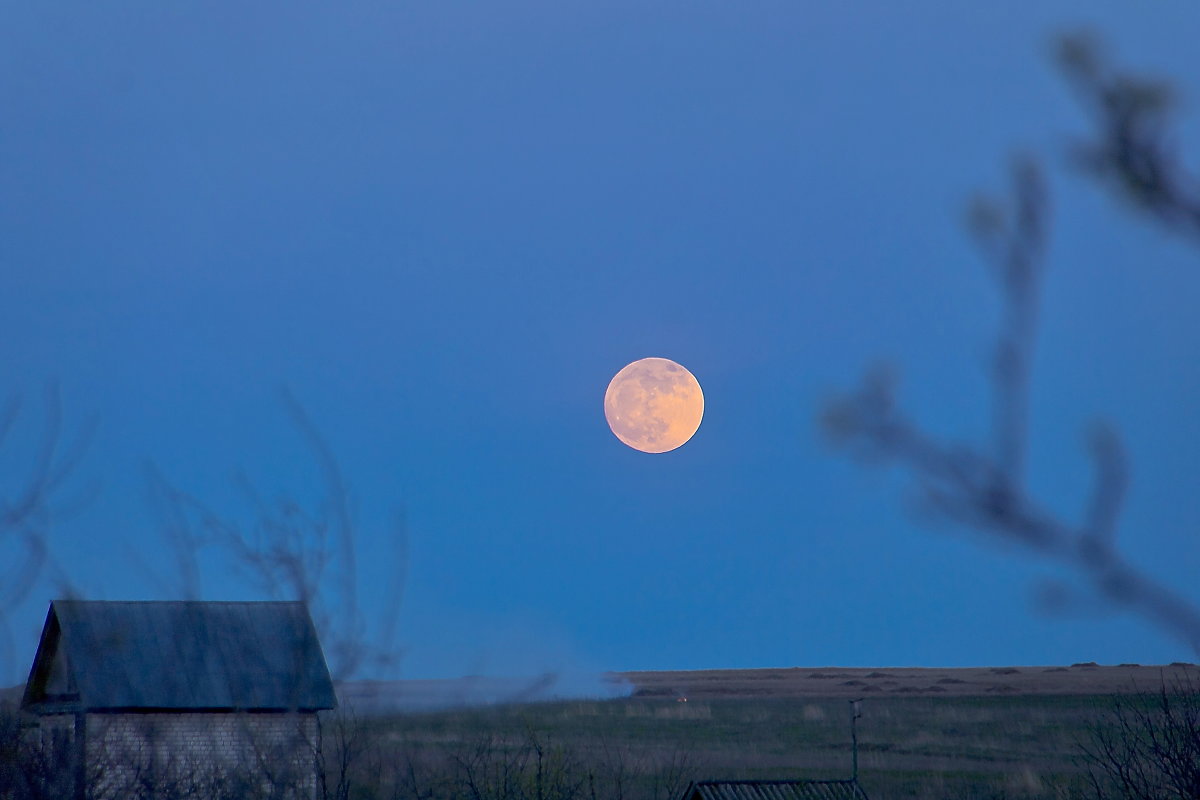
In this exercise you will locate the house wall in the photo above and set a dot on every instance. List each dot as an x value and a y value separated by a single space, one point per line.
202 754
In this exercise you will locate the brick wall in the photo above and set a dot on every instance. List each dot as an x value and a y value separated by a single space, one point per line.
202 754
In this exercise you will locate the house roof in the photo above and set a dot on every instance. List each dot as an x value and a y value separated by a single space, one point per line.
107 656
774 790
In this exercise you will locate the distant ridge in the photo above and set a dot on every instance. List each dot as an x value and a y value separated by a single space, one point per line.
1082 678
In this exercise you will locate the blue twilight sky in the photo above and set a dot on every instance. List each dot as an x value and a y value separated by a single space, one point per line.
445 226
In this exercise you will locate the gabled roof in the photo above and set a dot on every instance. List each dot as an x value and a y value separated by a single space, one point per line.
774 790
107 656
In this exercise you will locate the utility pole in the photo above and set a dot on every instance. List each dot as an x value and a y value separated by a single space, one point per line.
855 713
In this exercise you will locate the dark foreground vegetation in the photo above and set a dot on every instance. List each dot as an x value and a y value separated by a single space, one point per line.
909 747
1140 744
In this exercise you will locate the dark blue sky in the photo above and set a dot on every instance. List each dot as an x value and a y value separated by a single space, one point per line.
445 226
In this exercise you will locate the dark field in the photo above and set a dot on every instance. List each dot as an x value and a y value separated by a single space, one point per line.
998 732
1004 732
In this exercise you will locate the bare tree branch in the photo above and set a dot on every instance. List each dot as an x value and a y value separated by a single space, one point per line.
31 504
1133 152
288 550
985 491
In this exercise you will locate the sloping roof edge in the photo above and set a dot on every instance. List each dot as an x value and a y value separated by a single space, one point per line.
39 673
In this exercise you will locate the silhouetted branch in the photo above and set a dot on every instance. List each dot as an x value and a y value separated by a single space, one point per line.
1016 249
287 551
1132 151
338 496
30 504
986 491
1108 489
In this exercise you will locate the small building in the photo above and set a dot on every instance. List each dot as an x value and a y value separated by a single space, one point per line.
187 696
774 790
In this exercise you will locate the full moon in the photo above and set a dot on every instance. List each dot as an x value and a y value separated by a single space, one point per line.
654 405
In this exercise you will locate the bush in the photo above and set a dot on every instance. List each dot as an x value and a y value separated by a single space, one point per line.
1148 746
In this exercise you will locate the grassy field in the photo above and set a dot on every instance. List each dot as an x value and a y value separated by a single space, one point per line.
908 747
972 740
